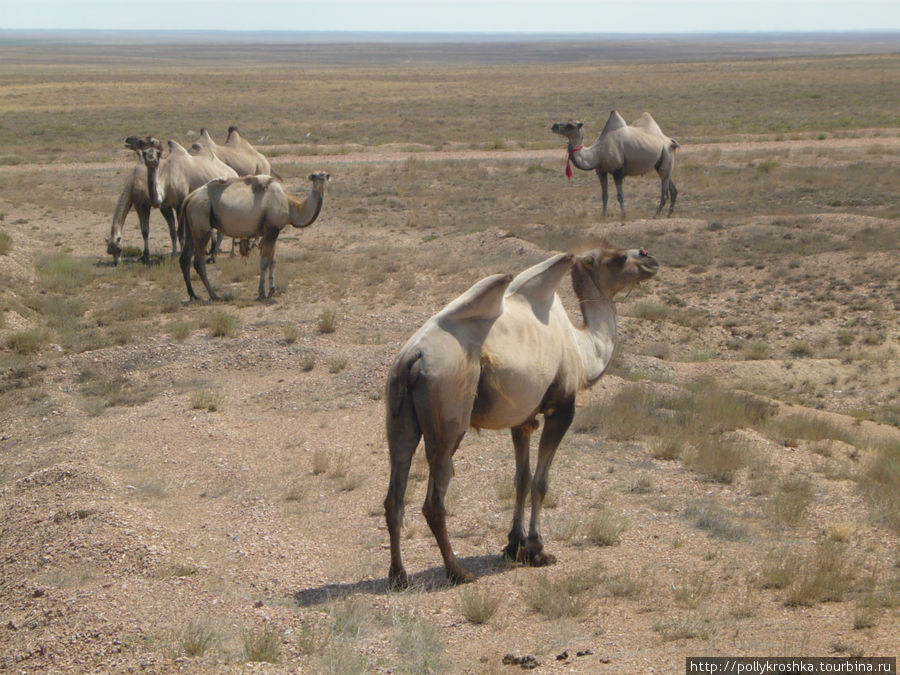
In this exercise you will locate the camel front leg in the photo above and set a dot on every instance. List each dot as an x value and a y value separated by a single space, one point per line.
521 437
144 218
555 426
267 262
619 179
169 215
604 188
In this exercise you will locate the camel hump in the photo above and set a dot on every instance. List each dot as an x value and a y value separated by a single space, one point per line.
646 122
258 183
615 121
539 282
176 148
233 131
483 301
204 134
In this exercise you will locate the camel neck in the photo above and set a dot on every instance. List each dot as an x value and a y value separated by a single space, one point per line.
596 340
305 213
576 155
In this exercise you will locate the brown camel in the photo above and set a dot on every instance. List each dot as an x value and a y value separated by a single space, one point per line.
252 206
163 183
623 150
496 357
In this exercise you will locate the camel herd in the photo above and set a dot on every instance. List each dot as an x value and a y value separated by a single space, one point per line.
496 357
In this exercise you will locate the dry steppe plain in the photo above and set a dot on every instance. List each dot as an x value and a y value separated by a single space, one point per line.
198 486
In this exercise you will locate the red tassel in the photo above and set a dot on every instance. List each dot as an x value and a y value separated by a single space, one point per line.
569 160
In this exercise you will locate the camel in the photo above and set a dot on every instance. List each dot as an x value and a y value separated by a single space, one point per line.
163 183
251 206
246 160
623 150
237 153
500 354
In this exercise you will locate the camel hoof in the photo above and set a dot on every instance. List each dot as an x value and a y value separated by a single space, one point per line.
460 576
511 552
397 580
539 559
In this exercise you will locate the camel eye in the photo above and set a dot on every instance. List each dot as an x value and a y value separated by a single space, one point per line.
589 261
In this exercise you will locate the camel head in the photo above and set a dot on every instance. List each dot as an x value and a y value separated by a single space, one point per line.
114 247
148 149
319 178
612 270
573 130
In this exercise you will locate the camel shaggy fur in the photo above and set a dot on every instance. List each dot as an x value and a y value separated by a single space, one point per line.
252 206
623 150
498 356
163 183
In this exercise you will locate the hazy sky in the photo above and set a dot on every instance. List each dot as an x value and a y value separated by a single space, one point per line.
503 16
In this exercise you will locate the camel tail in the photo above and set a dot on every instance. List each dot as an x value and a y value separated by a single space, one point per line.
673 144
276 176
399 381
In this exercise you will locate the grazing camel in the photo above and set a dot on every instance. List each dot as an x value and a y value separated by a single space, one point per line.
623 150
496 357
251 206
163 183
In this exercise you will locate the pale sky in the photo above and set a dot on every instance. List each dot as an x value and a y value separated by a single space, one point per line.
479 16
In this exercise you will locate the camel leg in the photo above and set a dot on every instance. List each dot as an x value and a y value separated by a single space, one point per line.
169 215
619 179
555 426
521 437
403 437
200 262
440 463
144 219
604 188
673 195
664 169
267 262
215 247
187 249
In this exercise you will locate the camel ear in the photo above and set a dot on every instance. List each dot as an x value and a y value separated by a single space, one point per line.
580 124
588 260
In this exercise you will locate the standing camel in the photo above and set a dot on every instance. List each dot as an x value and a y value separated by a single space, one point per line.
240 155
163 183
252 206
623 150
497 357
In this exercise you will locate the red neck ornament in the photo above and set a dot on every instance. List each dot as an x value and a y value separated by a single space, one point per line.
572 151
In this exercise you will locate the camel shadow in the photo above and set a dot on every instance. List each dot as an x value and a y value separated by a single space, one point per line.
426 581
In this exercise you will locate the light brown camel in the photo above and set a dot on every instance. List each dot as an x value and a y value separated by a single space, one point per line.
240 155
252 206
494 358
163 183
623 150
237 153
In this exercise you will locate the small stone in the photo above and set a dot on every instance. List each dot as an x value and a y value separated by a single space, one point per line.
562 657
585 652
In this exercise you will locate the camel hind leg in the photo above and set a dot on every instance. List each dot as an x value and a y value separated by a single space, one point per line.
667 186
187 250
267 262
403 434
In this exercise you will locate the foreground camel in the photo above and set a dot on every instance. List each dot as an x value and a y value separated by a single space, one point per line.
252 206
496 357
623 150
163 183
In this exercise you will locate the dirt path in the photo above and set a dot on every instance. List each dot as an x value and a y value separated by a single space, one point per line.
381 156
